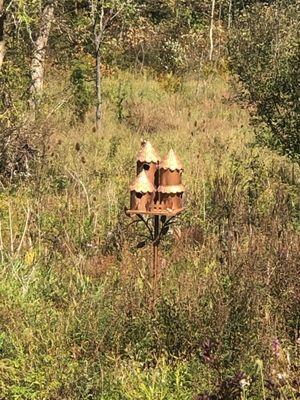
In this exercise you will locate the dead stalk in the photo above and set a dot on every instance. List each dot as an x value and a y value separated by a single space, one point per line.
1 244
11 230
76 178
24 230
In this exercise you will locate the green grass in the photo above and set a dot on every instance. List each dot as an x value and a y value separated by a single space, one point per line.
76 320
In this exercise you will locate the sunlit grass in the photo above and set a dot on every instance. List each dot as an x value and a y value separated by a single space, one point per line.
76 315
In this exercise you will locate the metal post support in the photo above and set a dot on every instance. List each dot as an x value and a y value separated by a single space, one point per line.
155 251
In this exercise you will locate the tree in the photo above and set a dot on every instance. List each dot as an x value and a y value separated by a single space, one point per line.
2 38
39 53
211 29
17 25
265 54
104 14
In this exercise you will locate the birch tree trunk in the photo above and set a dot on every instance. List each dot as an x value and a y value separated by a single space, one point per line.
39 53
211 29
98 34
98 83
229 14
2 38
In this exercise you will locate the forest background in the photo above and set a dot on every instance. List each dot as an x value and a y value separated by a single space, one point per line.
81 83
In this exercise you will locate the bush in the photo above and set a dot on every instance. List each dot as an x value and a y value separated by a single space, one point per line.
82 90
265 54
22 148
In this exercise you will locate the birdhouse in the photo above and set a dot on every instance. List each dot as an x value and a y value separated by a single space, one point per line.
142 193
147 161
170 191
171 198
170 170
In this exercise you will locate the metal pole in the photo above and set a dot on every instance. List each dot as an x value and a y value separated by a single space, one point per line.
155 251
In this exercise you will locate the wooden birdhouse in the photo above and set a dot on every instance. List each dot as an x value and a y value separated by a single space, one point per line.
170 190
147 160
170 170
171 198
142 193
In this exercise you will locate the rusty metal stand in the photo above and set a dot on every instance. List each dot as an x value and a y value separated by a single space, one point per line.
156 239
156 231
156 199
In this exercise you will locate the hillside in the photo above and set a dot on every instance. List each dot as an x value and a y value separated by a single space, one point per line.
76 310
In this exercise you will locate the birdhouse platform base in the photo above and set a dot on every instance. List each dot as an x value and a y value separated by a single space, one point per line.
154 212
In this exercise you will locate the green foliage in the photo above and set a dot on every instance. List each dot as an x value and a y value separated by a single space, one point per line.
77 315
81 77
265 55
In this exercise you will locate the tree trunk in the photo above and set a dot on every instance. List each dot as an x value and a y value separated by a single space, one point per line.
98 34
211 29
98 83
2 38
229 14
39 53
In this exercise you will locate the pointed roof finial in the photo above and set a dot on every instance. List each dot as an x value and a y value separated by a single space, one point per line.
171 162
142 184
147 153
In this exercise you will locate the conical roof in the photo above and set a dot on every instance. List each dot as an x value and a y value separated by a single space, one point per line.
171 189
171 162
147 153
142 184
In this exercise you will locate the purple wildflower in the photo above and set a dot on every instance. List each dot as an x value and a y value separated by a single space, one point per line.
276 347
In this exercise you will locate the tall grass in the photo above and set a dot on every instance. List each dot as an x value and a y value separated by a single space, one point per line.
75 302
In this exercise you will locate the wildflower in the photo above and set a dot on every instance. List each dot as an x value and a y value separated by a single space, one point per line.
207 348
276 347
244 383
282 377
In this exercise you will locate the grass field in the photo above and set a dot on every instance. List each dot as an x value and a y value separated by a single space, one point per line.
76 316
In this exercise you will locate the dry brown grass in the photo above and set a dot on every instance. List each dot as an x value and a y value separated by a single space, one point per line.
77 293
148 118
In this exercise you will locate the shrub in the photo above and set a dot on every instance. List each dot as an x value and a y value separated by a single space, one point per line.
20 149
265 54
83 95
